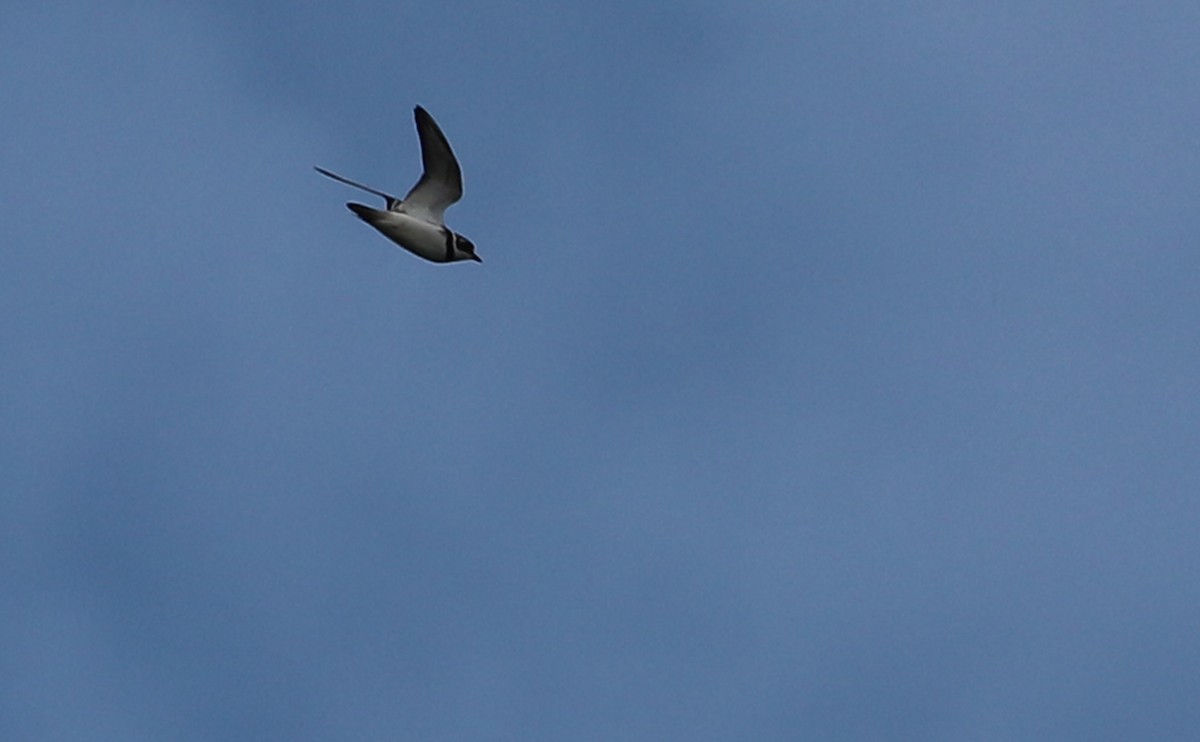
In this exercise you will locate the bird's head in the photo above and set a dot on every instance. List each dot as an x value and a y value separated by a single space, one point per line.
466 247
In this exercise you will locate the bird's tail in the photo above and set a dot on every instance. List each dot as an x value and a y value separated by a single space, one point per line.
366 213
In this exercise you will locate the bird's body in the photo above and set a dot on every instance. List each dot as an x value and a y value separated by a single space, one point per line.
415 235
415 222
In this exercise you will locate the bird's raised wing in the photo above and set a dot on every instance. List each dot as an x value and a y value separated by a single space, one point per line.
441 183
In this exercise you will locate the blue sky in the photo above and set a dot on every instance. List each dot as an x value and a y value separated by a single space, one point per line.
831 373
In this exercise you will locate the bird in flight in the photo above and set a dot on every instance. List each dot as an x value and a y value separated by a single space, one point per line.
415 221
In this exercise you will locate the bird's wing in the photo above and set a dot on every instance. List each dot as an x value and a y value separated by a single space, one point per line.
441 183
391 200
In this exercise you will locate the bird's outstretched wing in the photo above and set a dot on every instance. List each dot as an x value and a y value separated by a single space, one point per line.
441 183
392 201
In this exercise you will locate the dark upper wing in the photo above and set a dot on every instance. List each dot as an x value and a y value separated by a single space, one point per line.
441 183
392 201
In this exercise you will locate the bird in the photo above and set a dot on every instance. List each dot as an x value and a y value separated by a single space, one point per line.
415 222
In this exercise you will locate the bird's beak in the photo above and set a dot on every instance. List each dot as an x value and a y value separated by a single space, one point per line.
476 258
